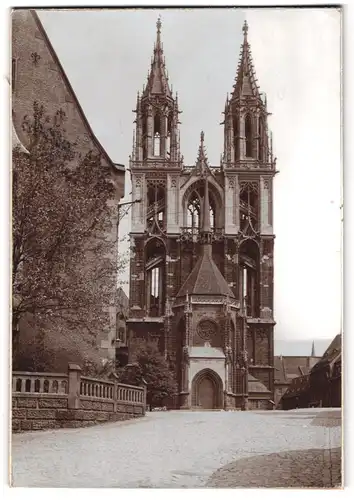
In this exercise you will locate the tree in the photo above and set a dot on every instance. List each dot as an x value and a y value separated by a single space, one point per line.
151 368
63 263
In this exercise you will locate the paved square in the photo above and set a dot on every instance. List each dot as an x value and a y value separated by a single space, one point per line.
186 449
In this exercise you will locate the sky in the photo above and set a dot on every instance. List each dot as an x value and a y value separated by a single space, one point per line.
296 55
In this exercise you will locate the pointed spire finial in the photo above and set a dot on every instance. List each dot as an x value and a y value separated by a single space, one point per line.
245 29
313 349
158 35
201 138
158 24
206 213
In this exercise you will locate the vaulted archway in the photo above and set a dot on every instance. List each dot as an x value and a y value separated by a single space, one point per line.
207 390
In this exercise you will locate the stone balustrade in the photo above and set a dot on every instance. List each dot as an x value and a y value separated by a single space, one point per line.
49 383
57 400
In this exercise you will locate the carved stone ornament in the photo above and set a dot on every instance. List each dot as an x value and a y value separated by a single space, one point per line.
228 354
206 329
185 355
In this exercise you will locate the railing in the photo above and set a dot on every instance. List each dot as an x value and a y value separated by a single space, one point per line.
42 383
192 233
74 387
96 388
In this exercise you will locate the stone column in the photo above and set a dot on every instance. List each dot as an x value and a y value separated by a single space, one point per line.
242 137
163 144
139 137
266 227
230 152
138 209
255 145
74 375
172 207
150 132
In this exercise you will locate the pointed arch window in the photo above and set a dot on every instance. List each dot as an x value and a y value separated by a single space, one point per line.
195 210
156 204
157 144
154 282
249 278
169 134
236 130
168 144
249 136
249 206
157 135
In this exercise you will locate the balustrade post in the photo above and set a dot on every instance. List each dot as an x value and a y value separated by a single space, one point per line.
115 396
144 397
74 373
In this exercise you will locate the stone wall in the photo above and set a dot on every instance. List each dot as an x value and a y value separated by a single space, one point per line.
39 76
53 401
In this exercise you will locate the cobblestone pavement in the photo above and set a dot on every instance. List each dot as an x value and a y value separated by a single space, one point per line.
184 450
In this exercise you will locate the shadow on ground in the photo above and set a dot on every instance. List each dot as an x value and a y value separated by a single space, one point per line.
291 469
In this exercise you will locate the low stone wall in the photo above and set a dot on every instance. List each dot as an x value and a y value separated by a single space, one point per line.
53 401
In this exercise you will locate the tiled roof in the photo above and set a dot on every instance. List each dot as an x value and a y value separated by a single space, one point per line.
331 354
297 386
290 367
255 385
205 279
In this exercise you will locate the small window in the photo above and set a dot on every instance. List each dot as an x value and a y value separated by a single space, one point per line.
13 73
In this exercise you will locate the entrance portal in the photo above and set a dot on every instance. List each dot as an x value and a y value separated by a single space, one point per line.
207 390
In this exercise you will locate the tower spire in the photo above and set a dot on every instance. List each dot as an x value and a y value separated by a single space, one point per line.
158 32
313 349
202 157
157 77
246 82
245 31
205 232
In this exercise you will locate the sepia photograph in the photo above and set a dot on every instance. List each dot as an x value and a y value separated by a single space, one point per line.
176 247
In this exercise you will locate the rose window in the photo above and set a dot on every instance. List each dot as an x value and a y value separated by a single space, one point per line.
206 329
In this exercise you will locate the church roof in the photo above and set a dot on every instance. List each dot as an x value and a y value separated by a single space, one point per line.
205 279
290 367
331 354
255 385
157 77
298 386
32 16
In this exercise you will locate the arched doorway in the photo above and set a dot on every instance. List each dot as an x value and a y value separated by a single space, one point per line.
207 390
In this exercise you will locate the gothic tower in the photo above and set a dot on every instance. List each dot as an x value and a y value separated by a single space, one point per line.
249 169
201 279
155 166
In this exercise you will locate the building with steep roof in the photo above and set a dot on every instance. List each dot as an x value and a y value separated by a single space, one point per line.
326 376
37 75
201 270
288 368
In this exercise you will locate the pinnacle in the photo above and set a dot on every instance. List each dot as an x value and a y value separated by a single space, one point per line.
157 79
245 77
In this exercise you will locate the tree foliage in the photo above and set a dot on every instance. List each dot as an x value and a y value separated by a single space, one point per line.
151 368
63 264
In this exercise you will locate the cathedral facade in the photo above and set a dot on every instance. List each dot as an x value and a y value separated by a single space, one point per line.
201 269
